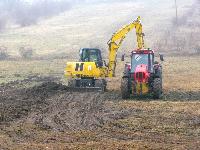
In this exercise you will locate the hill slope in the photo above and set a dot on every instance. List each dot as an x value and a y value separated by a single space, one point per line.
92 24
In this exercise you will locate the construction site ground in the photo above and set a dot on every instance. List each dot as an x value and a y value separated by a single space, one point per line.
38 112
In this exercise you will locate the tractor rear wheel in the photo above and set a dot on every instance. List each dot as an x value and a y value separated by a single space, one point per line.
157 88
125 89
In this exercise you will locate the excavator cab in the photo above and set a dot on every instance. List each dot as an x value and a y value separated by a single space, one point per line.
85 74
91 55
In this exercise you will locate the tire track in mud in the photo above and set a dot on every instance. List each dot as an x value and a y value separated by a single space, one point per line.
71 111
51 106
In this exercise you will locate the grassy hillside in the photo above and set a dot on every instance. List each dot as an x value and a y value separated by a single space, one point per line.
92 24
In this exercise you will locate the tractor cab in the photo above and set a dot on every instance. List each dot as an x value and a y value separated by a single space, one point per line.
91 55
143 59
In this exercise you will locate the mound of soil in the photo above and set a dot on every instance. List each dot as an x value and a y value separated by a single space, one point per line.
51 106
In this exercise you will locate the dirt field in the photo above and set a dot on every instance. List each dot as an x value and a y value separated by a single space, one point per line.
38 112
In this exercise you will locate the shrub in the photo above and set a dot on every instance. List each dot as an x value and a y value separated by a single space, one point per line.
3 53
26 52
197 49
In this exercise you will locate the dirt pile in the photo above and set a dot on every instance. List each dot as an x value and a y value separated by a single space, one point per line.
69 111
51 106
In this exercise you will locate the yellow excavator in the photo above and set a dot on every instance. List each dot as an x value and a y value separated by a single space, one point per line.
90 72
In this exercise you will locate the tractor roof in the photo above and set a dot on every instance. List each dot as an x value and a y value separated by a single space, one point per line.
143 51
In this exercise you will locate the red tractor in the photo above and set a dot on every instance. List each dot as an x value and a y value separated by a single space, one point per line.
142 76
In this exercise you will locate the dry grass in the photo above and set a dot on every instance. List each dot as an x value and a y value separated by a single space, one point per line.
182 73
19 70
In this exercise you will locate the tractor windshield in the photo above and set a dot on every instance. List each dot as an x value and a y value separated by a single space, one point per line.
138 59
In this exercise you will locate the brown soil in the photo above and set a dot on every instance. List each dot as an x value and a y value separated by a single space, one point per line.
51 107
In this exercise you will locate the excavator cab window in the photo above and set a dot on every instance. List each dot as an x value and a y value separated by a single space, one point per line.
91 55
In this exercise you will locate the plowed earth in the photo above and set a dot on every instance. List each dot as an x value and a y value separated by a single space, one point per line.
48 116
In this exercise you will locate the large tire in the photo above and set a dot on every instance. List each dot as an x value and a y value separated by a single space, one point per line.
157 88
101 83
72 83
125 89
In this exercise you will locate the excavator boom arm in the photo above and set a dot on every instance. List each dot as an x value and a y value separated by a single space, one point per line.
117 39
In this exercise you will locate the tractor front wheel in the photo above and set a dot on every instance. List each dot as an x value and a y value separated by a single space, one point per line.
125 89
157 88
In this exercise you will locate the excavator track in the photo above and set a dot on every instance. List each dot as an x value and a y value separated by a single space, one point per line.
84 89
86 85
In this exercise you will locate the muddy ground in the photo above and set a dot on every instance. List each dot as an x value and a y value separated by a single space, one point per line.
41 115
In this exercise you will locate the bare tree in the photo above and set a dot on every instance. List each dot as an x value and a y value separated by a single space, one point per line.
3 53
176 12
26 52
